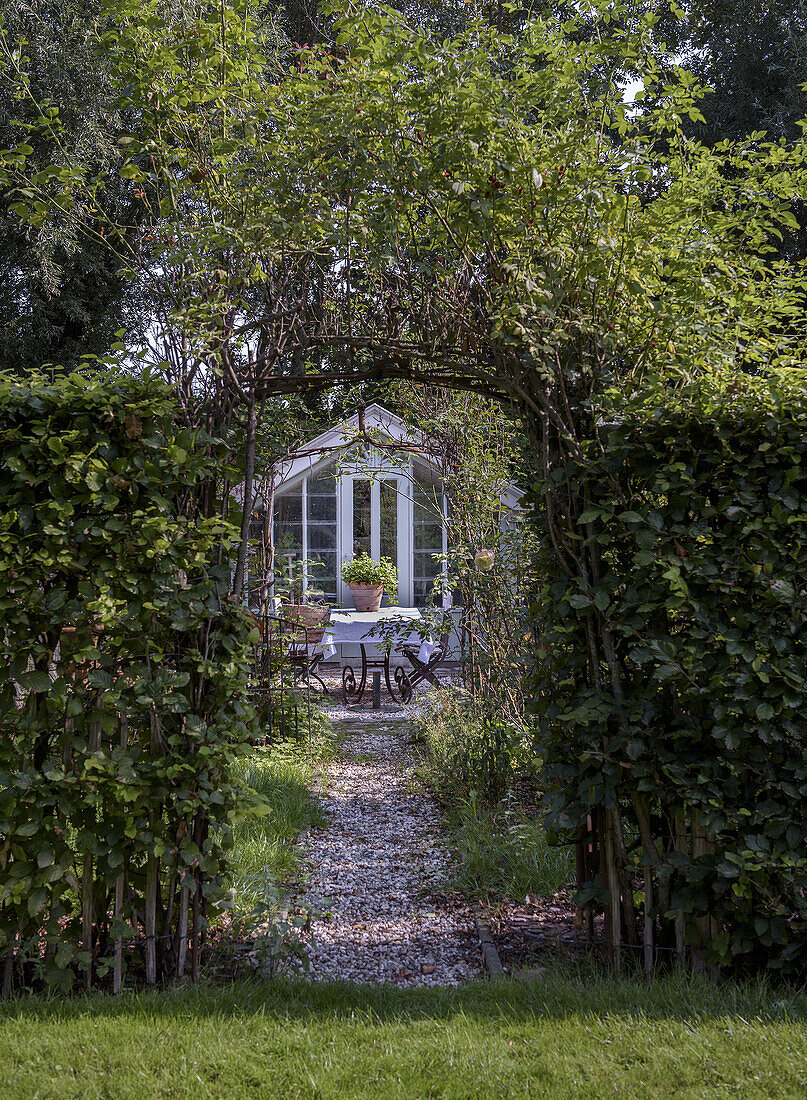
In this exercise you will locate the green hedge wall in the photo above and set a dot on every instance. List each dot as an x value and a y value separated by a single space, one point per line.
673 692
122 667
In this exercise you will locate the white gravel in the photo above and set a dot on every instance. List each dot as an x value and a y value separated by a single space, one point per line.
378 871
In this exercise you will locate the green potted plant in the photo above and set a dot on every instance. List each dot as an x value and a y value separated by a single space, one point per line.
368 579
301 602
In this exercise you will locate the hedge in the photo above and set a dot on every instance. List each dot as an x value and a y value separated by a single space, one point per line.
672 697
122 667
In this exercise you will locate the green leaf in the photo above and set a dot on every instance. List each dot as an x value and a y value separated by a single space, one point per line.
45 857
36 681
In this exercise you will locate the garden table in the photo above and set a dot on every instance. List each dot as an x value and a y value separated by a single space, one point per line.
347 627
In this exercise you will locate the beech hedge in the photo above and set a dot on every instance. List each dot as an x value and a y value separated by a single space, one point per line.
681 745
122 670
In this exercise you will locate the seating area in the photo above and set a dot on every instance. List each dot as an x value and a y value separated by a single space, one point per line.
313 660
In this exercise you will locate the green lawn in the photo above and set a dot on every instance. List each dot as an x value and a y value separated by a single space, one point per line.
574 1036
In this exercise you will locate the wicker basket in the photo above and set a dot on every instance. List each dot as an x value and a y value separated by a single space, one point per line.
304 615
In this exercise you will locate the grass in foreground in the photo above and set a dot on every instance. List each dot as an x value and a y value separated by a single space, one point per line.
263 849
574 1035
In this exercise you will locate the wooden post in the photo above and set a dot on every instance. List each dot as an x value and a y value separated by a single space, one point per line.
195 929
150 918
702 845
87 898
679 826
152 874
199 839
614 921
88 880
649 923
182 932
8 967
593 855
120 882
376 691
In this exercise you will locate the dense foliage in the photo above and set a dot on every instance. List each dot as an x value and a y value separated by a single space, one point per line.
675 671
64 293
483 212
123 668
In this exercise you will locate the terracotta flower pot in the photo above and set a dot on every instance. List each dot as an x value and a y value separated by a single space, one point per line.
366 597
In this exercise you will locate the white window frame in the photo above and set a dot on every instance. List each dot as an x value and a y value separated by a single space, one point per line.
375 471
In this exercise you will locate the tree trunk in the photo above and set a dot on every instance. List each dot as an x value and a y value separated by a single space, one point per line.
246 515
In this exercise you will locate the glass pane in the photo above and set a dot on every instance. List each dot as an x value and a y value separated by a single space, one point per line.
321 536
321 548
361 516
389 520
323 576
289 524
322 508
322 497
429 536
428 541
322 485
421 592
289 508
427 564
428 525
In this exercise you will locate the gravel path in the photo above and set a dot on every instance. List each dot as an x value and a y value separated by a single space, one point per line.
378 871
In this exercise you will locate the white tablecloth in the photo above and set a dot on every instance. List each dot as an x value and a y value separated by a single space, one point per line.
353 628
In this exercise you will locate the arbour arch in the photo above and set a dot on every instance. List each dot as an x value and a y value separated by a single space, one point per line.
483 214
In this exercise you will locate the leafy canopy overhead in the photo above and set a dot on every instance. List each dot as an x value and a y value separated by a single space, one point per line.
482 210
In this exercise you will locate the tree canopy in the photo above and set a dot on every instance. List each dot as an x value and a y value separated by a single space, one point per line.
63 294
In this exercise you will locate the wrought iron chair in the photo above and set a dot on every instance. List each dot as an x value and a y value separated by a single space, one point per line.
305 658
421 668
285 644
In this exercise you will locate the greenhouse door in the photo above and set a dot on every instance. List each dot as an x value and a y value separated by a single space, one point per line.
377 520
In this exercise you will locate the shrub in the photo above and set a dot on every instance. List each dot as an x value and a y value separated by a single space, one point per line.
471 759
468 747
690 730
122 665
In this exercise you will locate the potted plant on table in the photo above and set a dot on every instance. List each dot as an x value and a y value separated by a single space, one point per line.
301 602
368 580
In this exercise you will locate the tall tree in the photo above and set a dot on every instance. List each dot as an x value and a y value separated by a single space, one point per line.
753 59
63 293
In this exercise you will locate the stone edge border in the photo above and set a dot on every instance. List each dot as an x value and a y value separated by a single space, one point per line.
493 964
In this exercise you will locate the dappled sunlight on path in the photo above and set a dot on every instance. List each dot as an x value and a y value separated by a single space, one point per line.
378 872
